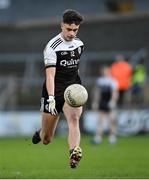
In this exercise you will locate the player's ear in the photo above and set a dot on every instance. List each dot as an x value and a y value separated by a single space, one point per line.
62 25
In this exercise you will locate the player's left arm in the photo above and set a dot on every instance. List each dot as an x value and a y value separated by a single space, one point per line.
115 95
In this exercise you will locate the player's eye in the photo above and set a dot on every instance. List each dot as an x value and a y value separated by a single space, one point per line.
68 29
74 30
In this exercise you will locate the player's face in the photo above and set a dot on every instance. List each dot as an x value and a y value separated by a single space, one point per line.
69 31
106 71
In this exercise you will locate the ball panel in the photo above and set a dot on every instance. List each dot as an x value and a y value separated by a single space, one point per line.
75 95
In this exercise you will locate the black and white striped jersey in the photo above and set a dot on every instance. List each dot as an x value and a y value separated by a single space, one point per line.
65 56
106 85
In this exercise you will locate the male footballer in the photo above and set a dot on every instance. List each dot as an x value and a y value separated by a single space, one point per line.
61 58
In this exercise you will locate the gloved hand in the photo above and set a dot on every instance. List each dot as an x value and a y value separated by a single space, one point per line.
52 108
112 104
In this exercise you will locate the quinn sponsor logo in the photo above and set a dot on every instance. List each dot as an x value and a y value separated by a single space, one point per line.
69 63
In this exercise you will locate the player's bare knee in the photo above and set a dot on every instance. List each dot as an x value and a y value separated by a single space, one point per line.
75 117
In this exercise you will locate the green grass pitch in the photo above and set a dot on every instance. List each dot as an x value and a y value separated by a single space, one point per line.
129 158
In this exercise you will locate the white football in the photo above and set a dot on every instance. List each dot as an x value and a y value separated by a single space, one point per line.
75 95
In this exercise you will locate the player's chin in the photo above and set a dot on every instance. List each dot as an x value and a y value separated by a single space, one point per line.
70 38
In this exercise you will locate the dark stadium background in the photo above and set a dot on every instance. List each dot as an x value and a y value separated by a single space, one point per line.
110 27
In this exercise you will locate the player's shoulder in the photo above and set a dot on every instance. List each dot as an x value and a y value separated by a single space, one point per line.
113 79
54 42
78 41
99 80
114 82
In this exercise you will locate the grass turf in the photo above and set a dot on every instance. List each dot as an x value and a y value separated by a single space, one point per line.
129 158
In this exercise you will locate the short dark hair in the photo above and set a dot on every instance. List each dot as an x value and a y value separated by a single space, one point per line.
71 16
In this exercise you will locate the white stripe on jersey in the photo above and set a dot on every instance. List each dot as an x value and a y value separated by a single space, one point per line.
56 43
107 81
59 44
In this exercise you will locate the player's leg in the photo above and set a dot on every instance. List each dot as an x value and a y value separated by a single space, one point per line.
99 128
49 123
73 116
112 127
45 134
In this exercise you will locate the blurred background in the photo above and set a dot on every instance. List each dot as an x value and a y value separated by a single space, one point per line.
111 27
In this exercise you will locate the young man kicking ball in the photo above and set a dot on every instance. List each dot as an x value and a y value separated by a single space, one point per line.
61 58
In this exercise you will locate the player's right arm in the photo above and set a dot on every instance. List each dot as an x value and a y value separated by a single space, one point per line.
50 68
50 76
50 65
96 97
114 97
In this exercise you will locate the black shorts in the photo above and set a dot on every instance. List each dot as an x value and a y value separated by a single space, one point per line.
104 106
59 96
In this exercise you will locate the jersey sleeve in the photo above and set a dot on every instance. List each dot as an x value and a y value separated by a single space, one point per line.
114 84
98 82
82 48
49 57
